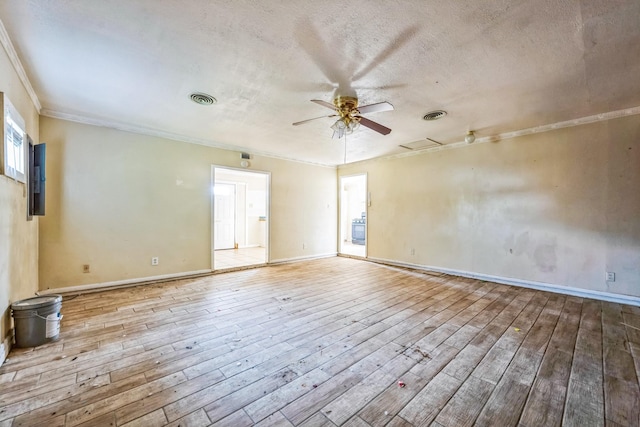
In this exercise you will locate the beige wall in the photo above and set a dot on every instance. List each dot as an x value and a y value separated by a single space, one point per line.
115 199
560 207
18 237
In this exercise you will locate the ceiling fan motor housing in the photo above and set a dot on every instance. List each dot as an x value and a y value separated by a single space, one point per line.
347 108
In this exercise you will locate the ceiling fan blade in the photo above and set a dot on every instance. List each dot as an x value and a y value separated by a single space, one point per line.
374 108
320 50
315 118
324 103
392 47
374 126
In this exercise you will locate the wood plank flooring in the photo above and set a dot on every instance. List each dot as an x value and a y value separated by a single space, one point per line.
329 342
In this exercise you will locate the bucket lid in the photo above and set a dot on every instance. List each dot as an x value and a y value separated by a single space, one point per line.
36 302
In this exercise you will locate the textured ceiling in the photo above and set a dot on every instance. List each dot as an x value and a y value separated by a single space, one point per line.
495 66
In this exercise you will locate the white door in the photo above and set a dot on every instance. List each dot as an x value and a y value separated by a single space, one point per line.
224 218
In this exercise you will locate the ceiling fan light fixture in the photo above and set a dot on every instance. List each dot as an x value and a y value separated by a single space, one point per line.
339 128
337 134
339 124
470 137
344 126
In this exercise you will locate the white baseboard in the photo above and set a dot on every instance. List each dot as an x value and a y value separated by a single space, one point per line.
239 268
363 258
302 258
5 346
567 290
92 287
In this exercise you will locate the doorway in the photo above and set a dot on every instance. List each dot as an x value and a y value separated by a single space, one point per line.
239 218
353 215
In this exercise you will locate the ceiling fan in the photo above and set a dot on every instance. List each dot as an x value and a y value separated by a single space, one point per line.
350 115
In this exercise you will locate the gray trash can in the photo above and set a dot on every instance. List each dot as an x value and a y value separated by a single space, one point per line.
37 320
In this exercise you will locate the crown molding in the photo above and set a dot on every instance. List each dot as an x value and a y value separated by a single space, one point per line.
17 66
509 135
125 127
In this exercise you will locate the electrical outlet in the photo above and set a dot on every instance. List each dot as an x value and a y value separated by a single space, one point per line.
86 268
611 276
304 246
155 260
413 251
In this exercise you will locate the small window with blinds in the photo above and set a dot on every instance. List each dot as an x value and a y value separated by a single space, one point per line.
14 143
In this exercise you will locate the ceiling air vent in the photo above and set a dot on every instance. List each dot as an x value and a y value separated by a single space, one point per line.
434 115
421 144
202 98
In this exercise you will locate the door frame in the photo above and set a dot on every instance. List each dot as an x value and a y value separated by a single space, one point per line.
267 237
367 203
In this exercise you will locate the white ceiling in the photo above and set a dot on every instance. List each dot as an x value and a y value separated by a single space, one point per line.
496 66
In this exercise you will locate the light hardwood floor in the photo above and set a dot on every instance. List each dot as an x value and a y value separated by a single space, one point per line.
231 258
324 343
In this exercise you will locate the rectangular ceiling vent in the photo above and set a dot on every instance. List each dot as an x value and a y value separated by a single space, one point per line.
421 144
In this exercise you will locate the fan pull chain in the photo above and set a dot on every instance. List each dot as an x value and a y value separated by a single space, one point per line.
345 148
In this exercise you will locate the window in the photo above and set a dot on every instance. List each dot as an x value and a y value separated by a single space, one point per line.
14 143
